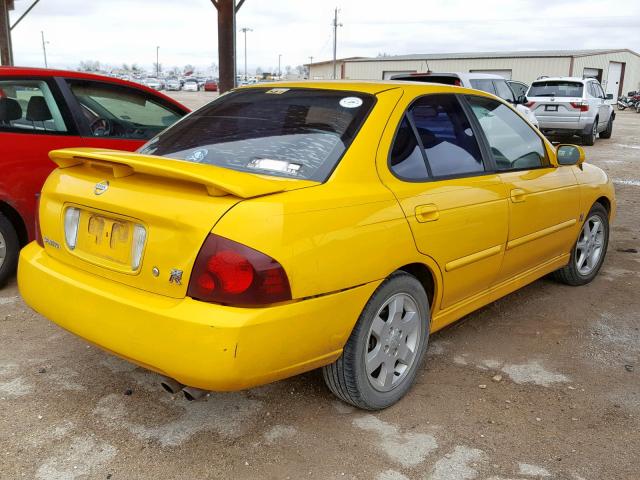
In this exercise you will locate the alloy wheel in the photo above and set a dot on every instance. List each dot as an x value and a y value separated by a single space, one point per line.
393 342
3 249
590 245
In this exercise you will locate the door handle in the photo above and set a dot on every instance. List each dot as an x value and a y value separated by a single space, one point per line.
427 213
518 195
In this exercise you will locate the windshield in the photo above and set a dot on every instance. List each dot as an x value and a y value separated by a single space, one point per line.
294 133
555 88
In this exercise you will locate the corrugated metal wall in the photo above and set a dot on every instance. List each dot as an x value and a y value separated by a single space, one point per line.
631 71
523 69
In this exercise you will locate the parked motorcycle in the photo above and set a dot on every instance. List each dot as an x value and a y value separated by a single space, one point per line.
632 100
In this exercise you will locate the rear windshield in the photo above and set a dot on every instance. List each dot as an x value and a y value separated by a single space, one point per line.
294 133
555 88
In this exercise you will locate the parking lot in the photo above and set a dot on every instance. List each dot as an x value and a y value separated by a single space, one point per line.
544 383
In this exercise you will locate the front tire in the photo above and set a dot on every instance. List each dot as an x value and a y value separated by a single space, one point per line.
587 255
9 248
386 348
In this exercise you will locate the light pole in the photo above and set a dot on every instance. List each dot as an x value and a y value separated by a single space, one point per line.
157 62
335 41
310 63
245 30
44 49
279 62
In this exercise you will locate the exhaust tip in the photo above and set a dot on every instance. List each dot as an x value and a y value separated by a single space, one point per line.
171 386
192 394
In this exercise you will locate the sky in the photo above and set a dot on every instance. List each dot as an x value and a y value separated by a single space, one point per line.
128 31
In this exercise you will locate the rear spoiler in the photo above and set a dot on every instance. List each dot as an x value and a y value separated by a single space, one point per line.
217 180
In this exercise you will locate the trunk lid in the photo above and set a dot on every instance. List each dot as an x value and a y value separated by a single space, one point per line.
555 107
140 220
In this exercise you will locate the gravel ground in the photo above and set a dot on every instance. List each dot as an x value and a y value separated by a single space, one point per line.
542 384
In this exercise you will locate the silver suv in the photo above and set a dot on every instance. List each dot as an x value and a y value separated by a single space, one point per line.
572 106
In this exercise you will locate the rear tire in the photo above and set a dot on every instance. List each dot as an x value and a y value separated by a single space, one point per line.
590 138
589 251
609 130
380 337
9 248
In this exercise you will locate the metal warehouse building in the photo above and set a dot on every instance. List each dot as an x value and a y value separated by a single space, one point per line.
617 70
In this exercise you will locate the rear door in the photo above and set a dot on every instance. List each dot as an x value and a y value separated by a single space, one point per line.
543 199
556 103
117 116
33 121
456 207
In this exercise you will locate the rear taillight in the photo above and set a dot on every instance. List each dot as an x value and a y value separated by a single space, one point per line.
529 104
582 106
38 233
233 274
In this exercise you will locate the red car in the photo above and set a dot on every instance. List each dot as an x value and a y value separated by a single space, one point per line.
210 86
42 110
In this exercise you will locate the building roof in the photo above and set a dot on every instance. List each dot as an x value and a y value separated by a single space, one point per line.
509 54
338 60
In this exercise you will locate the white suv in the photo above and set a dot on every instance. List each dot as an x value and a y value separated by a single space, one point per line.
572 106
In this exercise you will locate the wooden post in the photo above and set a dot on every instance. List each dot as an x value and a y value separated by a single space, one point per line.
227 42
6 52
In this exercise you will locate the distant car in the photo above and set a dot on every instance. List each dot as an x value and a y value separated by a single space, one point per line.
210 86
154 83
191 85
42 110
519 88
486 82
173 84
572 106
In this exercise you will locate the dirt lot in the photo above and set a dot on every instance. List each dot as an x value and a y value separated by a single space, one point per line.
566 406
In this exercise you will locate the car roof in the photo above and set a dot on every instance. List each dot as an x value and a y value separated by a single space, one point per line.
564 79
460 75
50 72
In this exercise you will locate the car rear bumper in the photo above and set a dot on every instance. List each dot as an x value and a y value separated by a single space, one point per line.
208 346
548 123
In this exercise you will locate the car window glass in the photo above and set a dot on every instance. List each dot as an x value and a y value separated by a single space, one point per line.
406 159
288 132
599 91
486 85
28 106
513 143
519 89
122 112
556 88
446 136
591 89
503 90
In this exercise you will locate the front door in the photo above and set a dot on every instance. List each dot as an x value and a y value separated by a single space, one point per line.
543 198
456 208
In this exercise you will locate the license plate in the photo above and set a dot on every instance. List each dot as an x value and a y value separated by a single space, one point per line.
104 237
551 108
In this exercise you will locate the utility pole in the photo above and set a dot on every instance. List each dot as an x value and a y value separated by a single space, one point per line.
310 63
6 52
335 41
158 62
245 30
227 10
279 70
44 49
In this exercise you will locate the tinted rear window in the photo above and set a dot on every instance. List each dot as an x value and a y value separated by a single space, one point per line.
555 88
295 133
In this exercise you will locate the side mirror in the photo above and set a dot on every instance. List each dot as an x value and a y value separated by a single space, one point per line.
521 100
609 96
570 155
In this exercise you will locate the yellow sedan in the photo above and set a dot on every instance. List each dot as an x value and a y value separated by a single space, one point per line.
294 226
